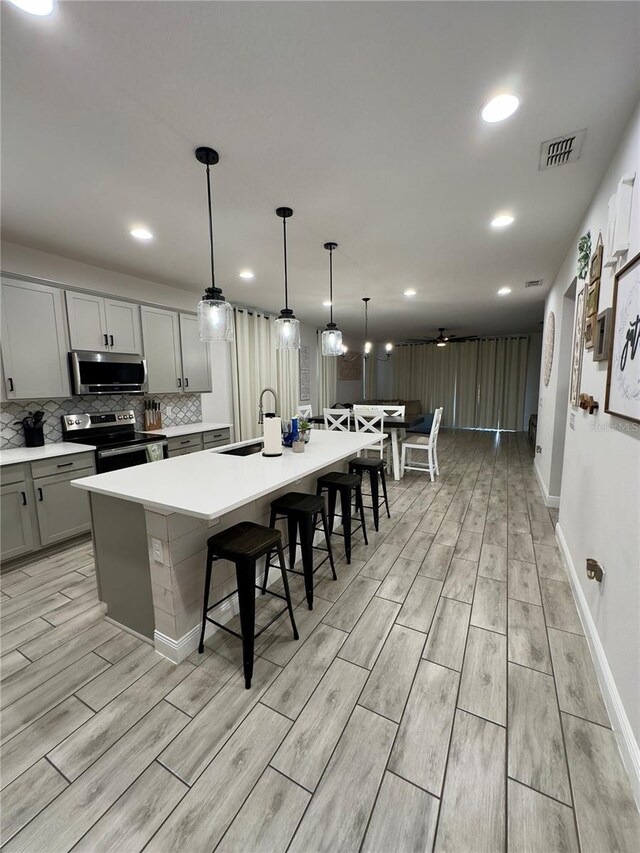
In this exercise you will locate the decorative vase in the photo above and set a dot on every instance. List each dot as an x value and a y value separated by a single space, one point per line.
298 446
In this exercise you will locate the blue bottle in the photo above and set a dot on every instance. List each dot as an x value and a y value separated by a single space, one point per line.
294 429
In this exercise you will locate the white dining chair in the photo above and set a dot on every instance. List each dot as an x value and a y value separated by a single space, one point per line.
337 419
410 447
370 421
305 411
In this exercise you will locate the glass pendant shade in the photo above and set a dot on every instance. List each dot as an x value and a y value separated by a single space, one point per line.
287 330
332 340
215 318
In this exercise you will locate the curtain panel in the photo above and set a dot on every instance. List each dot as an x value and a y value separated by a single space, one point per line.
480 384
256 364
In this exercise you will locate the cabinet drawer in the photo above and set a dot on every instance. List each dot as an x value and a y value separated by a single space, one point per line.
13 473
209 445
179 442
62 465
183 451
217 436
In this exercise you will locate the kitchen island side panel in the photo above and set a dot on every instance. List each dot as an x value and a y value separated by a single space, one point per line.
122 562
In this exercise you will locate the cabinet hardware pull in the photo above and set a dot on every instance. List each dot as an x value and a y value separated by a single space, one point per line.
40 495
186 441
186 381
179 382
111 339
10 381
24 498
64 464
106 340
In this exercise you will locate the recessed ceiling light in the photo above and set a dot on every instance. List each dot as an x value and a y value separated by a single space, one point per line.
500 108
141 233
410 292
502 220
504 291
327 303
247 274
35 7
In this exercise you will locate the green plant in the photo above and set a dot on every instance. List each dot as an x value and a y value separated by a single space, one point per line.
303 425
584 254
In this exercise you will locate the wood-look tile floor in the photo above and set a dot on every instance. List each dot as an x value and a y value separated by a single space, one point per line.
441 697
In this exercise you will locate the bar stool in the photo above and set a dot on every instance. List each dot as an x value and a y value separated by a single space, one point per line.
375 469
301 511
343 484
244 544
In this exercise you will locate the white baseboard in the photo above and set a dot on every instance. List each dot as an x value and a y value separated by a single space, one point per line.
627 743
549 500
177 650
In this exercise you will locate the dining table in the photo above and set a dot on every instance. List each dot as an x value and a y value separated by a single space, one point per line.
394 426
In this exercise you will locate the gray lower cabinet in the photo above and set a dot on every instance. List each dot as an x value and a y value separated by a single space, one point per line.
16 520
180 445
63 511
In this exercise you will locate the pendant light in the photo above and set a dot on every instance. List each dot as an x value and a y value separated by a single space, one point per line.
287 327
215 314
332 336
368 346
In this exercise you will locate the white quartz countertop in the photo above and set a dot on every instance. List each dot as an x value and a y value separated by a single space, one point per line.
187 429
16 455
209 484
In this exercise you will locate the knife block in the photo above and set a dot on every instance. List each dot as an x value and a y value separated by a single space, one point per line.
152 420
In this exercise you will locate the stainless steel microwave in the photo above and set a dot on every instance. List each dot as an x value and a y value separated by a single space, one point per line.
107 373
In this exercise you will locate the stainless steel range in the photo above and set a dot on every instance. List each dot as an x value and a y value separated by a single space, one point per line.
115 437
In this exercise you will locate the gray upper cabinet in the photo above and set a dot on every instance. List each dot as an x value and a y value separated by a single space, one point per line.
196 369
34 341
161 338
16 520
108 325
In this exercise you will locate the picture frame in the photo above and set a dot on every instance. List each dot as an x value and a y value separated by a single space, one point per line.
593 292
623 371
602 335
577 349
595 268
589 331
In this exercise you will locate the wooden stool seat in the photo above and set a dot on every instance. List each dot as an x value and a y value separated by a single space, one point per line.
244 540
298 502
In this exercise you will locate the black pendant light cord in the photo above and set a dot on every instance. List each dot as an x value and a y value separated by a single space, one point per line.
213 276
366 318
286 281
331 284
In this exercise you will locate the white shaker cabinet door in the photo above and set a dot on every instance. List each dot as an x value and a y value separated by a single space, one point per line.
161 341
196 368
16 518
34 342
87 321
123 326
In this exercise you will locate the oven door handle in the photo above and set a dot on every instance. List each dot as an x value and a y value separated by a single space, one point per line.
105 454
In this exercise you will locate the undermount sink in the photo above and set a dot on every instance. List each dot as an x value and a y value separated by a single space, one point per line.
244 450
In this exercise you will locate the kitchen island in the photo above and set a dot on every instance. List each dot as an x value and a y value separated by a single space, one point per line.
151 524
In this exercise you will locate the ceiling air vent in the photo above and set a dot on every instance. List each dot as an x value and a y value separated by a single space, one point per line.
534 282
563 149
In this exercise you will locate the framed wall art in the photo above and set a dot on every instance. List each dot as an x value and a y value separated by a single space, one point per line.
593 292
589 328
577 349
595 268
623 373
602 335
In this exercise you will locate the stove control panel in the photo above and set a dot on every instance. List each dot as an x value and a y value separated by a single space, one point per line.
73 422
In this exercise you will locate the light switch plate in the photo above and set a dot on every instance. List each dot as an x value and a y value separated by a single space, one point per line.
158 551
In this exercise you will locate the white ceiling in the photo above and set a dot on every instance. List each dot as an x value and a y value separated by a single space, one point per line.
363 117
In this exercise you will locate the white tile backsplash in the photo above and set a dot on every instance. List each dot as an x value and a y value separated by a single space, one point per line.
185 409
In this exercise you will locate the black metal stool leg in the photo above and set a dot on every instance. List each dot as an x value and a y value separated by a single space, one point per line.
327 539
383 480
285 583
373 479
272 524
292 528
333 494
364 526
207 584
345 505
307 528
246 578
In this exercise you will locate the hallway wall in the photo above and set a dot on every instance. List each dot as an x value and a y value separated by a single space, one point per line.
600 482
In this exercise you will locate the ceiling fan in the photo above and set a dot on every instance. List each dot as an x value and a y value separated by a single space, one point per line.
442 340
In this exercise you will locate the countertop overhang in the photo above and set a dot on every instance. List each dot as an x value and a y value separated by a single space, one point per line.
210 484
16 455
187 429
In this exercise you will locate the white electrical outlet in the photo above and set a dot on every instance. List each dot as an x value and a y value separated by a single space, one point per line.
158 552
